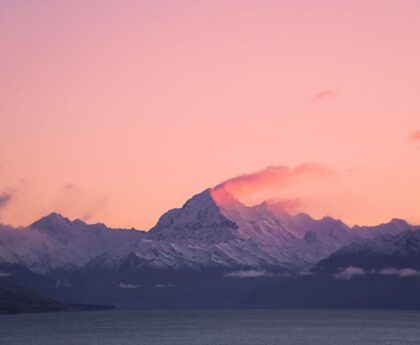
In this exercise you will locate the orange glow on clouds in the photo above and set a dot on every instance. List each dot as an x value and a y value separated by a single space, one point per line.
279 184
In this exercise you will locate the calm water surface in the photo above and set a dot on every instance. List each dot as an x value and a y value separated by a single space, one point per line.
212 327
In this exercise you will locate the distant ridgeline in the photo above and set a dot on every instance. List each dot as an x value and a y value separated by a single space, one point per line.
212 253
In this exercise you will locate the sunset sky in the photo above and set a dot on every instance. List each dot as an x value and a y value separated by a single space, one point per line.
116 111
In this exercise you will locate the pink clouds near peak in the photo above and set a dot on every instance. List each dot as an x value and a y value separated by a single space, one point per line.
291 205
280 185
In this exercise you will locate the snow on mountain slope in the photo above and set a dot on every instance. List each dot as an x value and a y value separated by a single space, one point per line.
401 251
209 230
188 255
394 227
206 219
216 217
55 242
199 219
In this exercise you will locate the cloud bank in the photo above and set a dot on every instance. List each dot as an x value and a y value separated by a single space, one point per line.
351 272
403 272
248 274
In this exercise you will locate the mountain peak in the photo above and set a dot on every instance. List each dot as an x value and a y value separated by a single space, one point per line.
399 221
56 223
223 198
53 219
393 227
200 200
54 216
200 218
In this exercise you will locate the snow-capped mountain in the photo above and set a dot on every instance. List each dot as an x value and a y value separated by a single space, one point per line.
376 255
200 219
216 217
211 239
394 227
55 242
211 229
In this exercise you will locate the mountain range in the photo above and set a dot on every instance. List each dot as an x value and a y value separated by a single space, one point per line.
214 250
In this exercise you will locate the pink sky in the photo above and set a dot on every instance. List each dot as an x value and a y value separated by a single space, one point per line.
116 111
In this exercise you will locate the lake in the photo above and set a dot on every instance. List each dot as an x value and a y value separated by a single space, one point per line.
213 327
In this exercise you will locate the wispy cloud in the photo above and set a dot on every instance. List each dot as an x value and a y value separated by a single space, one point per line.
5 198
291 205
248 274
415 136
275 175
128 286
274 183
403 272
160 286
350 272
74 200
323 95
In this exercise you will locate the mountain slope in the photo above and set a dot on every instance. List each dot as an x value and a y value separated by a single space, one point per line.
199 219
394 227
379 255
208 243
210 230
55 242
212 218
